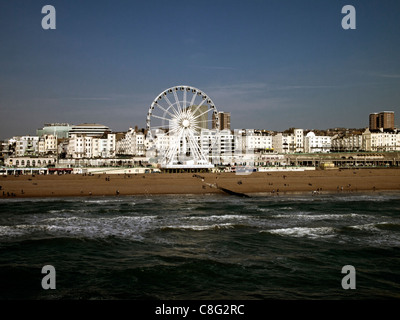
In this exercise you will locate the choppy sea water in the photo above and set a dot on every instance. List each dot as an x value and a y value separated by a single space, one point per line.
202 246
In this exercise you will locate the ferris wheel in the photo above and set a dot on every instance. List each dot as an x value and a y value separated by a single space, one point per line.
174 123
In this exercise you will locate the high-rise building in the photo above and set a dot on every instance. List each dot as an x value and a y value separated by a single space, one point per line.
224 120
382 120
373 121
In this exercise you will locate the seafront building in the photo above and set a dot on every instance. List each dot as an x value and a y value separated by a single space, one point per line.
132 143
47 144
218 145
260 141
85 146
61 144
317 144
290 141
381 141
347 142
25 145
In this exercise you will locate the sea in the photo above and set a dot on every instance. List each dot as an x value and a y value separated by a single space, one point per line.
333 246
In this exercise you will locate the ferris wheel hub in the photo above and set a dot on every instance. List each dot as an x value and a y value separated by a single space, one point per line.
185 123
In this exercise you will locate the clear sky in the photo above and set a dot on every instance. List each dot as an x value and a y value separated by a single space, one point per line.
274 64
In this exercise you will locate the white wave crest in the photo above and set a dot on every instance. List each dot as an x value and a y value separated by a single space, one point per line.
121 226
218 217
199 227
303 232
367 227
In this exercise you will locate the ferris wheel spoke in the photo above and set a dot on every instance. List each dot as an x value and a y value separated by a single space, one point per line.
174 149
208 110
165 110
177 100
166 119
158 127
196 148
184 99
173 130
169 107
197 108
193 98
177 112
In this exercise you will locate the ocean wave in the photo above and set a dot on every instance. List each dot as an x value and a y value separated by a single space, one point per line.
316 232
67 211
218 217
310 216
10 231
122 226
199 227
373 227
101 201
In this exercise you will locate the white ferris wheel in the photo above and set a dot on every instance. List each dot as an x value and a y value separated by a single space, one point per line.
175 120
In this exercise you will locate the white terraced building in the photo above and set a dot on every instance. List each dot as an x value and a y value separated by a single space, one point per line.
25 145
47 144
381 141
347 143
314 144
82 146
133 143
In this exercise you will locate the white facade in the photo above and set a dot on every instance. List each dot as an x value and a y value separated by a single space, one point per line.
108 146
82 146
217 145
314 144
244 147
47 144
381 141
289 142
133 143
347 143
283 143
298 140
258 140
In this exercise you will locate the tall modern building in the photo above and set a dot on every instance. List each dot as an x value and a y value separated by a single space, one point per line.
382 120
224 120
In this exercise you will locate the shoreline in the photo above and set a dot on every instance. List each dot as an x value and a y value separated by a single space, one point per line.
319 181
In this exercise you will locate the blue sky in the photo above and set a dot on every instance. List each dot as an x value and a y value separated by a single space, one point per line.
273 64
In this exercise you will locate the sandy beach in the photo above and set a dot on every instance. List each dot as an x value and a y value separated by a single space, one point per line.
348 180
